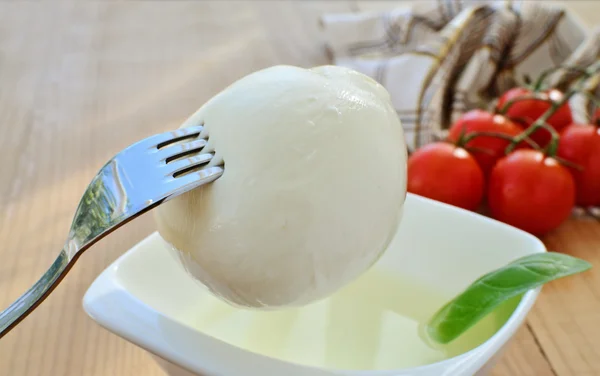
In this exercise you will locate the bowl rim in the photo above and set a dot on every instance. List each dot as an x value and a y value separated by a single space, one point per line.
121 322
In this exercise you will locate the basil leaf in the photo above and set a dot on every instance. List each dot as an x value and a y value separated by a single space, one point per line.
494 288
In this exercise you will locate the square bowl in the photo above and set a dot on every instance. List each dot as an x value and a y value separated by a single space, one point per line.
146 297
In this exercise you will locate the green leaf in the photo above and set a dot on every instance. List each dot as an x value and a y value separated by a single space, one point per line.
496 287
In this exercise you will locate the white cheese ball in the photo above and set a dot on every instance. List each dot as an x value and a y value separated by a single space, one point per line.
312 193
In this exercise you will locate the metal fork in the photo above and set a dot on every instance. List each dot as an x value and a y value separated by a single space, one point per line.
136 180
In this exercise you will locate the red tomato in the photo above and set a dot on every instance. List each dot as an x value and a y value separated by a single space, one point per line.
528 110
531 191
485 149
580 144
446 173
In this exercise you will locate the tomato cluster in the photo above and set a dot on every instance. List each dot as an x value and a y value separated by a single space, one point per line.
523 174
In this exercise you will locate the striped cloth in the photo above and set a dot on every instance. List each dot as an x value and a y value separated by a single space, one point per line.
440 59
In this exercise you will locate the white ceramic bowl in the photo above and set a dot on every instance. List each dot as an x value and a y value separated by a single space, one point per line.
141 296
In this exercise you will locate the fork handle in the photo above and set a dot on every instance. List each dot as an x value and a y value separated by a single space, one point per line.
18 310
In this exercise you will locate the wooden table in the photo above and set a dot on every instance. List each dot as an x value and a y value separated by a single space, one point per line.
78 82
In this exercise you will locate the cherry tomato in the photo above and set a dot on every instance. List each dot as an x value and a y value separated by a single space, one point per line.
485 149
446 173
528 110
531 191
580 144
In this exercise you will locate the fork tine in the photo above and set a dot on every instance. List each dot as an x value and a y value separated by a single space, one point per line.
181 150
163 139
183 165
197 178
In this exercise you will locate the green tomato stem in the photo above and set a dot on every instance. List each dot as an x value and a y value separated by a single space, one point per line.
568 163
537 86
472 149
596 105
460 142
508 104
473 135
552 147
542 120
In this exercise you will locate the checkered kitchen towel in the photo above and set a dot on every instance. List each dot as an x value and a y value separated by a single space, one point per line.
440 59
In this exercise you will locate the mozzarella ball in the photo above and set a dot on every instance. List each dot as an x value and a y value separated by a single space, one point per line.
312 192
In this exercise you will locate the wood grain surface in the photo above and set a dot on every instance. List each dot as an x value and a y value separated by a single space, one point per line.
80 81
